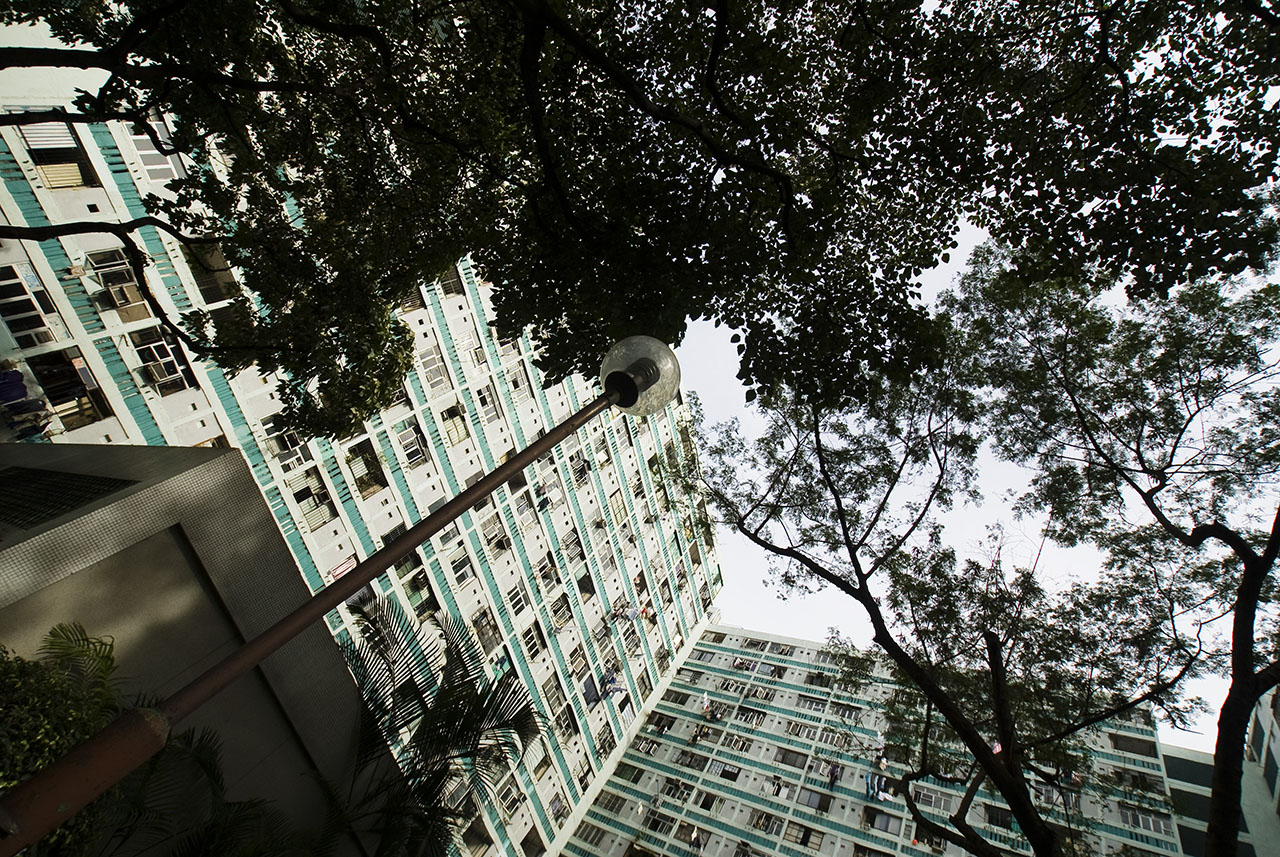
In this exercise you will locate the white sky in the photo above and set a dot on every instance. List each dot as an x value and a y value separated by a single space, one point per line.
708 363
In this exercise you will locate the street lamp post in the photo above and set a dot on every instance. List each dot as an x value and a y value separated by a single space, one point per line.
639 376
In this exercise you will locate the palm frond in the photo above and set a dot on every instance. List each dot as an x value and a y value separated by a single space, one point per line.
463 656
90 660
465 729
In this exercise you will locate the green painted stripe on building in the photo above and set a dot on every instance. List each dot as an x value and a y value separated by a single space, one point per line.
137 404
217 381
329 461
577 604
15 181
132 197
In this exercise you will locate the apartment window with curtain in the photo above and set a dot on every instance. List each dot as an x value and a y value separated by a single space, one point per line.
454 422
59 159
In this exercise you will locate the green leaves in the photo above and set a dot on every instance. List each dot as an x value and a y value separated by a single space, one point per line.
625 167
455 732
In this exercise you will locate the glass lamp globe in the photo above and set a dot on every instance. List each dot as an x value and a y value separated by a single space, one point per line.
637 357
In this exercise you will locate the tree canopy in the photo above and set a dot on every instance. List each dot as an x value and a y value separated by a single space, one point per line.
1147 429
616 168
1151 432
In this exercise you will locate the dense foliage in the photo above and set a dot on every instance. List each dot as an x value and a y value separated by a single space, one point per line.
622 167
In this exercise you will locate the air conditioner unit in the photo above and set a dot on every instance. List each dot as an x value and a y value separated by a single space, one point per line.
157 374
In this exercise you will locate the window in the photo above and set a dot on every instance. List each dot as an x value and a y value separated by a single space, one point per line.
708 801
605 741
366 468
411 562
464 335
610 802
765 822
454 422
518 598
675 697
724 771
561 612
212 273
1146 819
749 716
939 802
451 283
431 359
890 824
659 822
164 366
312 497
476 839
578 662
714 637
487 630
804 836
534 640
490 410
835 738
460 563
814 800
687 759
412 442
845 711
518 381
628 772
676 789
589 833
818 679
790 757
509 795
113 272
780 649
998 816
702 656
24 311
58 157
159 167
566 724
811 703
1130 744
807 731
737 742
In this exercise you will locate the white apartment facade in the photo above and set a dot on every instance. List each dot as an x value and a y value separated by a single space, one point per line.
788 764
547 571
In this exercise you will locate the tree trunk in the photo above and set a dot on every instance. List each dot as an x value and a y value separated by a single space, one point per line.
1228 768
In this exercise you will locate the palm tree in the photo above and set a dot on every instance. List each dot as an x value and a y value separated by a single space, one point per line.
175 805
48 706
453 730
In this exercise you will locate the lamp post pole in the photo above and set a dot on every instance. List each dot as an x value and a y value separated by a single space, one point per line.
639 376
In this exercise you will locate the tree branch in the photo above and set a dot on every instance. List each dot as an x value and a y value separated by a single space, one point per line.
23 57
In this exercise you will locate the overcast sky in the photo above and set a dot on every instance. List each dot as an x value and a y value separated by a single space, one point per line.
708 363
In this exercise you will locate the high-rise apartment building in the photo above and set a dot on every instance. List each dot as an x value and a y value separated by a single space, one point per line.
586 575
753 749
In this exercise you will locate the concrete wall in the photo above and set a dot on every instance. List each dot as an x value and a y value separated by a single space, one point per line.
179 569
